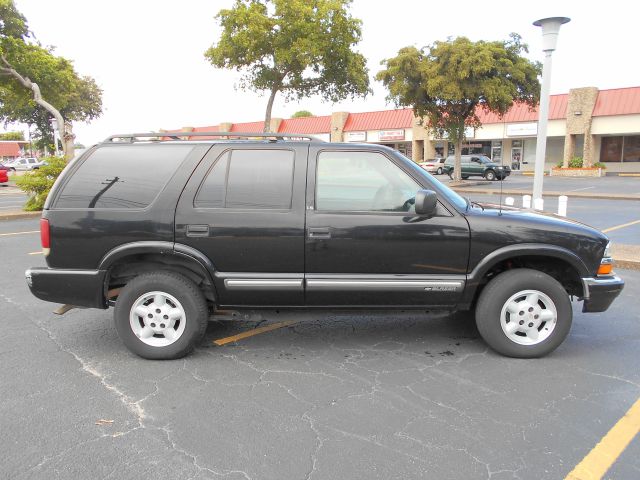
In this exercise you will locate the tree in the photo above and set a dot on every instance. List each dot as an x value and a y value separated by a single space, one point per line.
302 114
448 82
297 47
8 136
36 85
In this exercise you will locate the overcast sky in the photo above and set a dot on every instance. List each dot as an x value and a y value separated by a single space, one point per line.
147 55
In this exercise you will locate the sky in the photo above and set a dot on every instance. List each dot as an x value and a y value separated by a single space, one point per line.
148 55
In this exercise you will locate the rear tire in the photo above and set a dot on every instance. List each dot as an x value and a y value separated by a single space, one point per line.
465 177
161 315
439 171
524 313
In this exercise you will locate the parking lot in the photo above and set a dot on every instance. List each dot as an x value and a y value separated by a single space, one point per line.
381 395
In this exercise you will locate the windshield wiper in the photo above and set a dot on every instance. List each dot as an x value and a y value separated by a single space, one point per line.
472 202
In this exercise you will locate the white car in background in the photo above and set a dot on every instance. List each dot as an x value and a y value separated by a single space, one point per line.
24 164
433 166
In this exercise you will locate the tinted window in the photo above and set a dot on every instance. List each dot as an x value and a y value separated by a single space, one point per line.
254 179
362 181
212 190
122 176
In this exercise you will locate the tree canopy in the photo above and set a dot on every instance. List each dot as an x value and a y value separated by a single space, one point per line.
296 47
447 82
12 136
302 114
25 63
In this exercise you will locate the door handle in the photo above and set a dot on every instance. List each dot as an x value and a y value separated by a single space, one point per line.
319 233
197 230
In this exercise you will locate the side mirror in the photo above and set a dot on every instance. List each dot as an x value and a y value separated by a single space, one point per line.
426 202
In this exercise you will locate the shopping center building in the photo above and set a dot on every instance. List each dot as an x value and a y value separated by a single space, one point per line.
598 125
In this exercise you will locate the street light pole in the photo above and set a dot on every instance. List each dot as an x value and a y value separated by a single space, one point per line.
550 30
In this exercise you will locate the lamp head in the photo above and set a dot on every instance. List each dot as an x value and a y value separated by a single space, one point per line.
550 28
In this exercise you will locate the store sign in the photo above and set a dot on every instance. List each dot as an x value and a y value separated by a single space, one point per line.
522 129
386 135
356 136
469 132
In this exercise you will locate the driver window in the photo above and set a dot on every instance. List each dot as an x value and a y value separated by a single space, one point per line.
362 181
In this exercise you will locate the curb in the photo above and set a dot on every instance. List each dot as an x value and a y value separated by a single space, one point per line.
599 196
19 215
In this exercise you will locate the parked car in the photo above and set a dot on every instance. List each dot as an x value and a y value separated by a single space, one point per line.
4 178
478 165
435 166
24 164
167 232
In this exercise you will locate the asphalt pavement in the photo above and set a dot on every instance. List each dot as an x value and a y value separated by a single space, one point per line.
386 395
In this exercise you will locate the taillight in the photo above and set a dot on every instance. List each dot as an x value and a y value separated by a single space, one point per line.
44 232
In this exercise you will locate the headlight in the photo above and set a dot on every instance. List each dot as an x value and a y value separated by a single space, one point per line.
606 264
607 251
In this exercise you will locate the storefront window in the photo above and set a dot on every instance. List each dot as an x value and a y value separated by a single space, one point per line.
611 149
631 149
496 151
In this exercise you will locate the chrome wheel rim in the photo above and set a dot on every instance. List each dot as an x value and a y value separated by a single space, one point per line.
157 319
528 317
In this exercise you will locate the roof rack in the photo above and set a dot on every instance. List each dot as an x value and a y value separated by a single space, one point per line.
159 136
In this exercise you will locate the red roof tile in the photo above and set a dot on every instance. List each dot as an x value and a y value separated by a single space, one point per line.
385 119
520 112
213 128
248 127
617 101
9 149
306 125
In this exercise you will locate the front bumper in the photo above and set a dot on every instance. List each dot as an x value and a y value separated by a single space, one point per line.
600 292
82 288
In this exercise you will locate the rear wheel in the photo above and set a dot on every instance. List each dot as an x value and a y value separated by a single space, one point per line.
439 171
464 177
524 313
161 315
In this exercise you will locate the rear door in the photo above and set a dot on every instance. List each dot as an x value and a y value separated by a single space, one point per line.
244 209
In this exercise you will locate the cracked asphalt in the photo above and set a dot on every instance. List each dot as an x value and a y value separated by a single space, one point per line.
378 395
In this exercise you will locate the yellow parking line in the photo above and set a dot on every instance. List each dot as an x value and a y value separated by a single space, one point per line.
607 451
35 253
251 333
611 229
18 233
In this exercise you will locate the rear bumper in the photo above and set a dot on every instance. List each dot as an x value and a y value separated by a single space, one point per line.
82 288
600 292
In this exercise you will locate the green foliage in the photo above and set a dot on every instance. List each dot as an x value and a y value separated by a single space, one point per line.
76 97
302 114
12 136
38 183
600 165
296 47
575 162
447 81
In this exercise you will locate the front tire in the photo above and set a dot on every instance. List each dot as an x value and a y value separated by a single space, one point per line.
161 315
524 313
490 175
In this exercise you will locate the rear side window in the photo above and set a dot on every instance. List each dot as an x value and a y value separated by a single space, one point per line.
249 179
122 176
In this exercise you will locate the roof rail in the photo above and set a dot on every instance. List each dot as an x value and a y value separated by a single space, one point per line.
158 136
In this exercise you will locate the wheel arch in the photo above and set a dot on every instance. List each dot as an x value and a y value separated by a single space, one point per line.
559 262
129 260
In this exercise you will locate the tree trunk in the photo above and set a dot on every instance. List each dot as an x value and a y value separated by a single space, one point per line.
457 165
65 129
267 115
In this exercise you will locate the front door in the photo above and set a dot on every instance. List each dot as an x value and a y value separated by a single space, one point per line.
244 209
366 246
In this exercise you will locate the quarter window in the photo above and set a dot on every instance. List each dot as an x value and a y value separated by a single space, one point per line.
122 176
363 181
249 179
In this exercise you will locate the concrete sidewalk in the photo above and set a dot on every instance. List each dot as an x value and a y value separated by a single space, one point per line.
466 188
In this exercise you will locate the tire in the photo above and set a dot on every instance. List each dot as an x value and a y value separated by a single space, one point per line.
490 175
439 171
173 298
464 177
501 326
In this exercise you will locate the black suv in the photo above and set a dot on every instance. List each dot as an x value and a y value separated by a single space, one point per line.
166 230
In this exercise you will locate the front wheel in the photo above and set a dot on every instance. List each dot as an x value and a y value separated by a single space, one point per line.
524 313
490 175
161 315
